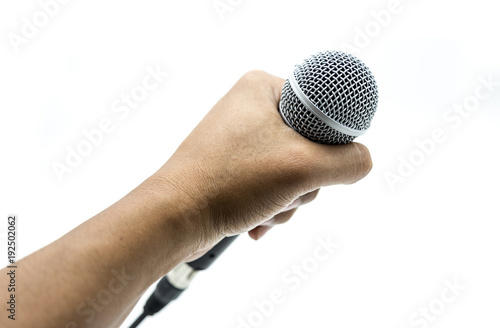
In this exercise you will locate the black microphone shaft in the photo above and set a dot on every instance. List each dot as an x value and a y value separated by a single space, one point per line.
206 260
177 280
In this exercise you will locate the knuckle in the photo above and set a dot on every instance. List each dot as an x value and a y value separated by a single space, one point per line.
253 76
363 162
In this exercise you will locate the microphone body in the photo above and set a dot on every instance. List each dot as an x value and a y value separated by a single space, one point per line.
330 98
176 281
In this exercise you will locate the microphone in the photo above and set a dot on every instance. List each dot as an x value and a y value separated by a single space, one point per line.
330 98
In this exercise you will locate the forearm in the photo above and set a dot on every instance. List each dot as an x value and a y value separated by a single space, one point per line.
92 276
239 167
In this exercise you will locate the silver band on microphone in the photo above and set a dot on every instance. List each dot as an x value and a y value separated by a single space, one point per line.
317 112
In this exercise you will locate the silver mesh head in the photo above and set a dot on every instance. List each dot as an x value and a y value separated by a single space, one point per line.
330 98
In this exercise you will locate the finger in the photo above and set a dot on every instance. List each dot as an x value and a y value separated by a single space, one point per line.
284 216
276 87
258 232
302 200
264 84
337 164
280 218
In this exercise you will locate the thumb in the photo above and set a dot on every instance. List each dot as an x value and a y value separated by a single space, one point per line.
339 164
327 164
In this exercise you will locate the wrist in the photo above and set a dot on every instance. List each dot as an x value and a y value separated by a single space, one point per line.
181 212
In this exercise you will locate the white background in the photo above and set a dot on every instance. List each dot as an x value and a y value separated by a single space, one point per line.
397 246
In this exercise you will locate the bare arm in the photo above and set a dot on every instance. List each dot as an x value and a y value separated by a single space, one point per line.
92 276
240 167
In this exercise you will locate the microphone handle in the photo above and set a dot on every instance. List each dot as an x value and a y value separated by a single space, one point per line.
206 260
177 280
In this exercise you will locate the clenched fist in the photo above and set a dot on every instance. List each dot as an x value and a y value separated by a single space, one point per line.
244 169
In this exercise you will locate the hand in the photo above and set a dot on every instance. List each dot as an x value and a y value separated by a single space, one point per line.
242 165
282 217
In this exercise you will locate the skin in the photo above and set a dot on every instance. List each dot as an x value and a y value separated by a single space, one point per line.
240 170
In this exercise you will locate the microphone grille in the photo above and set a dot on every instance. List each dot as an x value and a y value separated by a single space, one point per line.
330 98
